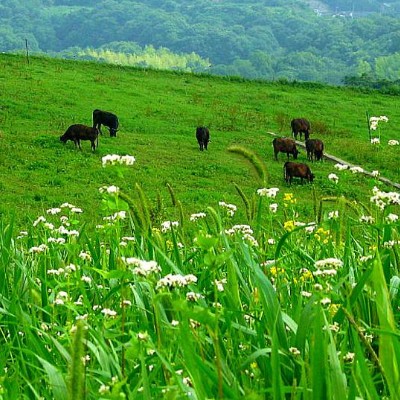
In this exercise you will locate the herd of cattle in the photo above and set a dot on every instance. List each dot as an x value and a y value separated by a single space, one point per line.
78 132
314 147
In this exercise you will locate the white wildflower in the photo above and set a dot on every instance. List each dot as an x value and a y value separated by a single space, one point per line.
393 142
375 173
392 217
195 217
53 211
367 219
356 170
271 192
273 207
333 214
333 177
167 225
375 140
341 167
108 312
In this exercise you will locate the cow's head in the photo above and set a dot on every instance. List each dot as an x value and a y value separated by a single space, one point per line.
311 177
63 138
113 132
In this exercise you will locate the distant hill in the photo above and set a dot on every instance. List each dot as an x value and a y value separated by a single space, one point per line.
301 40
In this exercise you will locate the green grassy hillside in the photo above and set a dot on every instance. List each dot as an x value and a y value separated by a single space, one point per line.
158 114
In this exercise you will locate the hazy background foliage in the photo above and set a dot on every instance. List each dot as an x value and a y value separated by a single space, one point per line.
297 40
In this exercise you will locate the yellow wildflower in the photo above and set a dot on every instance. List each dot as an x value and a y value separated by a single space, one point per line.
288 226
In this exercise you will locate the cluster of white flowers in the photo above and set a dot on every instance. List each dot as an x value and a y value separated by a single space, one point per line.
393 142
192 296
333 178
116 216
375 140
333 214
53 211
108 312
59 240
273 207
63 271
374 121
39 249
327 267
62 230
84 255
142 267
114 159
392 217
367 219
231 208
391 243
173 281
167 225
109 189
61 298
341 167
245 231
375 173
356 170
271 192
195 217
366 258
382 199
220 284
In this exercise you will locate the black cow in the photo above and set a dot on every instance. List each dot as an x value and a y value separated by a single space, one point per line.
315 149
300 125
105 118
79 132
298 170
203 137
285 145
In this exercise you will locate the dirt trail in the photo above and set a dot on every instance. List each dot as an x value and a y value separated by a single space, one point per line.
339 160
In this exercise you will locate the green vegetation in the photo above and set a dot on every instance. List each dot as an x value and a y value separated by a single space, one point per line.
297 40
204 274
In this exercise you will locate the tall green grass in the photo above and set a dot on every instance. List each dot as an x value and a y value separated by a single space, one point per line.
200 306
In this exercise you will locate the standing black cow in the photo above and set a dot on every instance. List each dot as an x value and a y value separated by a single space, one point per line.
285 145
299 170
315 149
105 118
203 137
300 125
79 132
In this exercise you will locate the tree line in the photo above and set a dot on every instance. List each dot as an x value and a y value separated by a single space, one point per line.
270 39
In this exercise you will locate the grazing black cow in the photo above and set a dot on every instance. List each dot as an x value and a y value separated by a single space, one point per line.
79 132
315 149
298 170
300 125
285 145
105 118
203 137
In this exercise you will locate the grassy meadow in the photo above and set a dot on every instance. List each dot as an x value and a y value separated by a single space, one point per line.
193 274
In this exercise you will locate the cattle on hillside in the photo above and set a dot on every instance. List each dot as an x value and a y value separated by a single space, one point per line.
79 132
203 137
315 149
285 145
299 126
107 119
298 170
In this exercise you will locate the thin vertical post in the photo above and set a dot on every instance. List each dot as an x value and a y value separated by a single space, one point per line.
369 126
27 51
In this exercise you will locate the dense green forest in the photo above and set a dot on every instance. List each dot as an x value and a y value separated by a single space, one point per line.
333 41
